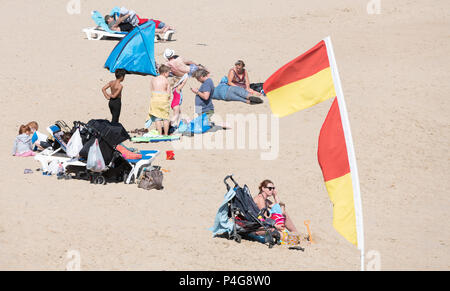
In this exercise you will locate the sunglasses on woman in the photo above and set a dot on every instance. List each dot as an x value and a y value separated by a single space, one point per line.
270 188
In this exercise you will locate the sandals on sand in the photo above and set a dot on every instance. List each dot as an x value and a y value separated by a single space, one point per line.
255 100
140 131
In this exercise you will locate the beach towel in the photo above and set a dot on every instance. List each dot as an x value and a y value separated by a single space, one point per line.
127 154
156 138
160 105
222 223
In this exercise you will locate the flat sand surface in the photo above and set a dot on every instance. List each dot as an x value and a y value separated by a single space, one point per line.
394 68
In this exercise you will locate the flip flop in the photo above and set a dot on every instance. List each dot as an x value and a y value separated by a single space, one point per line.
297 248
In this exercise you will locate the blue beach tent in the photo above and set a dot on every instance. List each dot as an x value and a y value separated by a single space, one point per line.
135 53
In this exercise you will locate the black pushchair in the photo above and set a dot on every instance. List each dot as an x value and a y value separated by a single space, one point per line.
245 214
109 135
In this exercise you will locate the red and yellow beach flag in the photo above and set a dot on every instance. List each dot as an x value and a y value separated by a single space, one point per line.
308 80
333 159
301 83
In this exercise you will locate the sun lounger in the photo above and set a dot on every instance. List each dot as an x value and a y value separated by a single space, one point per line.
139 165
96 33
166 37
45 160
102 29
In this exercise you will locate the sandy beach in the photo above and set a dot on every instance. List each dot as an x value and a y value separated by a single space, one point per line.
394 67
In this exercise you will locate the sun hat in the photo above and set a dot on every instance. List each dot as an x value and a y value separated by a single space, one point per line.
168 53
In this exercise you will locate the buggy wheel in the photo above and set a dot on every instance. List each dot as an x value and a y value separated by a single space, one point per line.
238 238
125 177
100 180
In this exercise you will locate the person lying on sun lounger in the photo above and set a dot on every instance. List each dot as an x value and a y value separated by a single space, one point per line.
128 20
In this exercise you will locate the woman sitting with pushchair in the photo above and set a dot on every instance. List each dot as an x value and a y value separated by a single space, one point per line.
276 208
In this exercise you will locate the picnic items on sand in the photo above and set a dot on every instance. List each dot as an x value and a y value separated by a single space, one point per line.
170 155
310 239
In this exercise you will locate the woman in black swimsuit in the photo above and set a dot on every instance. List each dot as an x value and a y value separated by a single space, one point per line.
267 190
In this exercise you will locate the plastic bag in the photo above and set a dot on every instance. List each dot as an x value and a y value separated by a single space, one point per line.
95 161
74 145
53 167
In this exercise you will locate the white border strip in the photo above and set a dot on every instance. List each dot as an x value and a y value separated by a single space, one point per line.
350 149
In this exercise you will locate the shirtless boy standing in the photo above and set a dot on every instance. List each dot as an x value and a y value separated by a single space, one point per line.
115 102
160 101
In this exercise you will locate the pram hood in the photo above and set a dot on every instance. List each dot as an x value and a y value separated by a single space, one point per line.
112 133
108 134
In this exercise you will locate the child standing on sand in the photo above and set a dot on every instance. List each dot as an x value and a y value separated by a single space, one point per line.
177 99
22 144
115 102
160 101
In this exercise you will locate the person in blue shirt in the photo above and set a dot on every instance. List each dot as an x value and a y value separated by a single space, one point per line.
203 97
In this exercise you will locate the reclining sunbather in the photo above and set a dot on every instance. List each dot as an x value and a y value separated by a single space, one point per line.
226 92
128 20
179 66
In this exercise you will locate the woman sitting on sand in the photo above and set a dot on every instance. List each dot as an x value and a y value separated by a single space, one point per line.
276 208
238 76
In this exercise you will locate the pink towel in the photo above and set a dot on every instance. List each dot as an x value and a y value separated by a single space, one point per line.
25 154
279 218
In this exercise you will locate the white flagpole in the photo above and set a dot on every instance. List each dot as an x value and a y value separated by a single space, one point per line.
350 149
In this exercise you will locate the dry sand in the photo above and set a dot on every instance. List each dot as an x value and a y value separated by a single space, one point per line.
394 70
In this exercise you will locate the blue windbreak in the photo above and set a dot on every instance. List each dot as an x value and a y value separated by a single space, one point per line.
135 53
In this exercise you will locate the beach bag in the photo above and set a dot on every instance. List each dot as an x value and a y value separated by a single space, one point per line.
290 239
74 145
151 180
258 87
95 161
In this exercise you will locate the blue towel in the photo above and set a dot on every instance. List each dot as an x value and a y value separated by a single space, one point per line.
276 209
115 12
100 21
222 222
